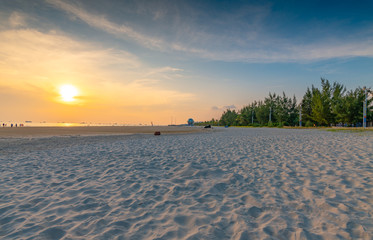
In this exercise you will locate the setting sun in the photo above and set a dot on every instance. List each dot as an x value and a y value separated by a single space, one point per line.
68 93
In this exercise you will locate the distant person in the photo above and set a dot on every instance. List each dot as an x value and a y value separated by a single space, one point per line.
11 125
16 124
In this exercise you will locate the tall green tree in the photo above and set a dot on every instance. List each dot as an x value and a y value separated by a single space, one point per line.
338 102
353 105
307 106
262 113
229 118
245 116
321 104
293 117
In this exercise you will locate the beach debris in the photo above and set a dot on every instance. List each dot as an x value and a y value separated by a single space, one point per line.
157 133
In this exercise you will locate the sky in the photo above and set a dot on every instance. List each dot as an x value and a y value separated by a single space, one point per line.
162 62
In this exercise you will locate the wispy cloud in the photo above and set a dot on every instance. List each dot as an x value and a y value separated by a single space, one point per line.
246 42
109 79
296 53
230 107
167 69
17 19
223 108
100 22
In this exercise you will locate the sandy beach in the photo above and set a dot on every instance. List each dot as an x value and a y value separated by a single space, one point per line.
235 183
15 132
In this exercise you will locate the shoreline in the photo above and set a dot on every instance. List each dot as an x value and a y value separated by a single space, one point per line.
19 132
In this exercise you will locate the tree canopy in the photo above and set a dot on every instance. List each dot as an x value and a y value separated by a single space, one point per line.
332 104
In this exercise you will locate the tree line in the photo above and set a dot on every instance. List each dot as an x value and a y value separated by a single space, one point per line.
330 105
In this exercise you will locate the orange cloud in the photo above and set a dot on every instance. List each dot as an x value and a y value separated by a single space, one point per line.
108 80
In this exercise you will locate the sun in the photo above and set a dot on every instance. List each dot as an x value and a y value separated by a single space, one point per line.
68 93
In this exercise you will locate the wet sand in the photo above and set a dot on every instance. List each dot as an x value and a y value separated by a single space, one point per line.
18 132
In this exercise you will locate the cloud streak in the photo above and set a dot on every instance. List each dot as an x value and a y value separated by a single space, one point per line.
250 46
102 23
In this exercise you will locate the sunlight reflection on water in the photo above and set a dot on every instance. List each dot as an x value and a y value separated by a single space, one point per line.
64 124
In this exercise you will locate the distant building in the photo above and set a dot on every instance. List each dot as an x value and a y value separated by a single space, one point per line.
190 122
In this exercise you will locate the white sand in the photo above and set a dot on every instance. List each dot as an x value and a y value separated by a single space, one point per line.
229 184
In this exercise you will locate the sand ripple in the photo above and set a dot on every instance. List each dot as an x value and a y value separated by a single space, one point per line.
231 184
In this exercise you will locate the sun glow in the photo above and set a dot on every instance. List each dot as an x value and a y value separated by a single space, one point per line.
68 93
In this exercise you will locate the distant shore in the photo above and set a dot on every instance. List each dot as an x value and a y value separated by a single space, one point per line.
15 132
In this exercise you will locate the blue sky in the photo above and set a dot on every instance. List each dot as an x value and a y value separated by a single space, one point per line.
197 57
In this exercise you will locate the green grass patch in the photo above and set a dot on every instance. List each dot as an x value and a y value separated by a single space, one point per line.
349 130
